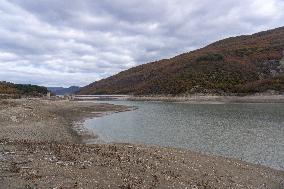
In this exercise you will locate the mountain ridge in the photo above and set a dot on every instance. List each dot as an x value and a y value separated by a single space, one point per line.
239 65
63 90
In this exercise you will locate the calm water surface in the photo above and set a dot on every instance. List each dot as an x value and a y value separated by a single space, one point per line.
250 132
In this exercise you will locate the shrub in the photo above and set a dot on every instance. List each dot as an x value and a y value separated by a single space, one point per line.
210 57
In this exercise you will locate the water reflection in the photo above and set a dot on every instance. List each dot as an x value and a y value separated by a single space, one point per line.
251 132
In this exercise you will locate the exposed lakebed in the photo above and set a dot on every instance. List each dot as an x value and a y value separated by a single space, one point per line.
249 132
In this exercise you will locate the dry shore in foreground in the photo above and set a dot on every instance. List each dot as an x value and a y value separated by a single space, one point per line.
39 149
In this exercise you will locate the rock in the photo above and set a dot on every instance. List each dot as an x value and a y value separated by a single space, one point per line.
2 158
14 118
14 168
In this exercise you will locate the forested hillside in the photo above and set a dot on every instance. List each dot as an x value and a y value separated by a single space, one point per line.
7 88
237 65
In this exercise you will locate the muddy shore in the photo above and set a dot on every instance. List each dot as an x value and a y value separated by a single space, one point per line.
40 149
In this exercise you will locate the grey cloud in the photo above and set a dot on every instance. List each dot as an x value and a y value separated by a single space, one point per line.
61 43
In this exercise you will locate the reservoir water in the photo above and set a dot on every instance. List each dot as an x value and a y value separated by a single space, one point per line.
249 132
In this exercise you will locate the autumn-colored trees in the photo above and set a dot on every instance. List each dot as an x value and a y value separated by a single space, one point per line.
245 64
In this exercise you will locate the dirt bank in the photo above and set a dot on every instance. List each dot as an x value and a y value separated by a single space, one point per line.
213 99
38 149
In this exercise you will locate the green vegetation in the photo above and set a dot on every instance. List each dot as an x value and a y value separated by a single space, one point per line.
7 88
273 84
210 57
239 65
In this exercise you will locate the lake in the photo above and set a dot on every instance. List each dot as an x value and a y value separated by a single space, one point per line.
249 132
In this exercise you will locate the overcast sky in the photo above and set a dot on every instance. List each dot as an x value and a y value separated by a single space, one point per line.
76 42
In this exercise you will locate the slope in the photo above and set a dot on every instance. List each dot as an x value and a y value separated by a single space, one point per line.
235 65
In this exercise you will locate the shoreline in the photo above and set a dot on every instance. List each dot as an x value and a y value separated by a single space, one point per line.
41 149
212 99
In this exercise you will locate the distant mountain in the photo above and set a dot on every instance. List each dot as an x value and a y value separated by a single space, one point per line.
244 64
7 88
63 91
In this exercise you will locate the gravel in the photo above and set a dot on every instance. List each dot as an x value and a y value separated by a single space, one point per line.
40 149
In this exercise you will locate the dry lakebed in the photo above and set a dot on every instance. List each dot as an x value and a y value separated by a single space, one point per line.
39 148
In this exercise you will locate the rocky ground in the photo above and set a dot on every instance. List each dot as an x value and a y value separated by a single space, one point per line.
39 149
45 120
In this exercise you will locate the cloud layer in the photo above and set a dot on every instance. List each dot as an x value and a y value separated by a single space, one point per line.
62 43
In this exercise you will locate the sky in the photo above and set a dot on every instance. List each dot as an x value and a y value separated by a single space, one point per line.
76 42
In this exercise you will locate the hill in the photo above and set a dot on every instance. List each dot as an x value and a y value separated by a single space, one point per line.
63 91
11 89
240 65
